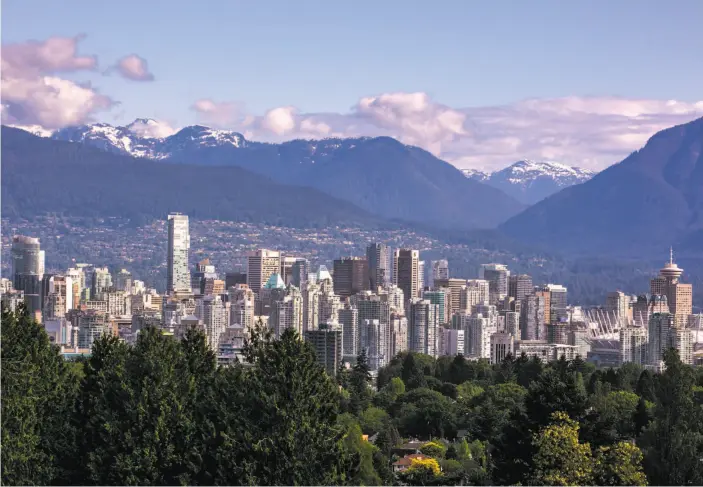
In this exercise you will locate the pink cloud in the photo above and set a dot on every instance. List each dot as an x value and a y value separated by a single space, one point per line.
134 67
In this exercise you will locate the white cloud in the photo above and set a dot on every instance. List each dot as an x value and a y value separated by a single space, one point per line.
32 94
591 132
150 128
134 67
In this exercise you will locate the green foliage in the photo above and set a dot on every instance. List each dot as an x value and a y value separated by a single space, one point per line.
433 449
426 413
620 464
364 471
373 419
559 457
468 390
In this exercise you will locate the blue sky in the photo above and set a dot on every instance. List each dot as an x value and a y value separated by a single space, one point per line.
319 59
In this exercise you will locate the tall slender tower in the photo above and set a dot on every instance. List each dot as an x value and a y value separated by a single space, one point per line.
28 270
177 275
406 272
377 257
679 295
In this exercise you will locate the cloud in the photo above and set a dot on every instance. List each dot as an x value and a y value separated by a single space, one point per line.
151 129
217 114
134 67
32 94
590 132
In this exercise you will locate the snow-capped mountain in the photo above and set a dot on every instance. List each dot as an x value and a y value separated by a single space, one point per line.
135 139
532 181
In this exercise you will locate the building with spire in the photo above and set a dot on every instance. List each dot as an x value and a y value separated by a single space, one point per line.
679 295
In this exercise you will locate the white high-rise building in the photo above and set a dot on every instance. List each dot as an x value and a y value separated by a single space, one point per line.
451 342
396 298
349 319
398 326
502 345
475 292
421 276
372 338
311 306
617 305
423 327
211 312
478 337
440 270
633 345
287 313
242 307
177 274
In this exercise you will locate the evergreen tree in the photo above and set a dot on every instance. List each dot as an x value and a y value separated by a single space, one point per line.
412 374
38 391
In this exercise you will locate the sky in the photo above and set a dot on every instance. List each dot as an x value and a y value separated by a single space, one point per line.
480 84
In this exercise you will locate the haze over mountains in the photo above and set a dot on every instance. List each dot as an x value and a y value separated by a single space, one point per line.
379 175
532 181
644 204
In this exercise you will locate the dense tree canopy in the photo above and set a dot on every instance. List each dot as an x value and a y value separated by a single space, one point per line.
161 412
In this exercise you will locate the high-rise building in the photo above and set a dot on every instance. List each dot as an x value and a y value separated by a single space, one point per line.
91 326
299 273
58 299
242 306
497 277
351 276
664 334
406 272
474 292
647 305
617 305
235 278
395 298
442 298
423 327
349 319
633 345
519 286
327 343
451 342
440 269
512 324
378 259
177 275
330 304
261 264
211 312
287 313
502 345
373 307
123 281
679 296
101 283
533 317
478 337
456 288
311 306
398 327
202 271
421 276
558 307
28 270
286 270
373 337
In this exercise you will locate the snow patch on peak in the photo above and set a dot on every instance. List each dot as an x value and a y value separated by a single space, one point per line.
37 130
475 174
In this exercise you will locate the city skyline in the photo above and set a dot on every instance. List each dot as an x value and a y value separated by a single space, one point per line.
451 91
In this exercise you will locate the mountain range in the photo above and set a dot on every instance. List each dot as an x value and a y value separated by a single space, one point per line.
379 174
651 200
43 176
531 181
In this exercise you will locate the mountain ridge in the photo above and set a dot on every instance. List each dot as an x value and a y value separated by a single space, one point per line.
378 174
531 181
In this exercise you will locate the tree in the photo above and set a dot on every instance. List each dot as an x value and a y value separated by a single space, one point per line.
641 416
560 459
673 443
491 411
291 415
372 420
363 471
412 374
646 386
387 439
390 393
422 471
38 391
426 413
359 381
619 464
433 449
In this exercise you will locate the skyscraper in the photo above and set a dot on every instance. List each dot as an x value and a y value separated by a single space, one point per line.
519 286
327 342
423 327
261 264
378 257
28 270
349 319
679 295
456 289
497 277
557 302
177 275
351 276
617 305
101 283
406 272
440 269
